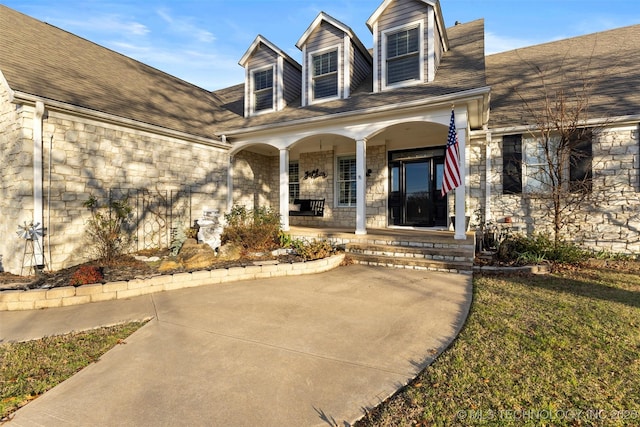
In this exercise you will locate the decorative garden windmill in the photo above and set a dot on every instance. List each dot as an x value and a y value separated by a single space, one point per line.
33 249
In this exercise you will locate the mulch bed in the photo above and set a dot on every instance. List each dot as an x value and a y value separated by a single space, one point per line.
124 268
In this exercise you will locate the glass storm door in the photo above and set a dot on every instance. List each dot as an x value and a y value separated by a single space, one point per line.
415 181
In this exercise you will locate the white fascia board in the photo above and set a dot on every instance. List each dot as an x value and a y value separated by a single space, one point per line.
436 101
629 120
115 120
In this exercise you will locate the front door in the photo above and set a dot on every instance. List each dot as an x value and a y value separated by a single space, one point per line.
415 182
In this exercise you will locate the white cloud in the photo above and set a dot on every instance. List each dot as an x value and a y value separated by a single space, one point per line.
185 26
494 43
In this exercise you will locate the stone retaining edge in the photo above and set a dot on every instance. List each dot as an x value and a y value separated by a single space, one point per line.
34 299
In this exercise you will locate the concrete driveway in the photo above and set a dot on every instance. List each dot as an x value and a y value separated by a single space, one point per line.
311 350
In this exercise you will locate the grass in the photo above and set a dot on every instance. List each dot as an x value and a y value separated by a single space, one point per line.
28 369
555 350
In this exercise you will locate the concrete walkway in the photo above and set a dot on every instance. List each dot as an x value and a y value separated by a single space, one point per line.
293 351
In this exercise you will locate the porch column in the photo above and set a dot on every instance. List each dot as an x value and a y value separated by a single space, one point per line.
461 192
361 186
284 189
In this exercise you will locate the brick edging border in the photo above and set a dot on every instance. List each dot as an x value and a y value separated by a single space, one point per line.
35 299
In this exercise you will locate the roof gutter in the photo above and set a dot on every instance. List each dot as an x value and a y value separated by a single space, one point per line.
458 97
115 120
632 119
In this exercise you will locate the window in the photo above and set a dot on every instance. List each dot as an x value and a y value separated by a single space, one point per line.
294 181
512 164
580 161
573 158
325 75
263 90
403 55
346 181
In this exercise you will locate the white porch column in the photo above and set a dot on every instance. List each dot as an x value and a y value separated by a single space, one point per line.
284 189
461 192
361 186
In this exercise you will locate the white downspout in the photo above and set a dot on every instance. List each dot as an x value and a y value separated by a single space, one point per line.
38 210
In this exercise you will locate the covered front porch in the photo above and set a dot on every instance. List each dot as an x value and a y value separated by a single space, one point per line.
372 173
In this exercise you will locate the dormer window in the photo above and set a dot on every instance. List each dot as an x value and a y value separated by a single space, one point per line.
403 58
263 90
272 78
325 75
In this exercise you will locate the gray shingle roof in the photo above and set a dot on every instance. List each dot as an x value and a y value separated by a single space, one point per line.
607 63
42 60
461 68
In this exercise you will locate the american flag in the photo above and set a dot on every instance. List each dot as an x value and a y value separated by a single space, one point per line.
451 178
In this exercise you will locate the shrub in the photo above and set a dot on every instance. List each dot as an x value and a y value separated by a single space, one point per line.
107 229
254 231
315 249
539 247
85 275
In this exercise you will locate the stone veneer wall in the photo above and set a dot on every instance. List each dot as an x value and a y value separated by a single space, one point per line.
16 193
318 188
611 219
92 157
256 180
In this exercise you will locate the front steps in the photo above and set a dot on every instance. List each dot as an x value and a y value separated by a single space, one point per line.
402 248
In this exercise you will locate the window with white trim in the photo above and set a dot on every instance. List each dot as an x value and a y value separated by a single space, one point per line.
402 55
294 181
263 90
346 181
325 75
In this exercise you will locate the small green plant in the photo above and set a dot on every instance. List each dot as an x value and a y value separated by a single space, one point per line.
254 230
286 241
179 239
107 229
314 249
85 275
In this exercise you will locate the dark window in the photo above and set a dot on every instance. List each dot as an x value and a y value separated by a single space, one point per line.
403 58
263 90
294 181
325 75
512 164
580 162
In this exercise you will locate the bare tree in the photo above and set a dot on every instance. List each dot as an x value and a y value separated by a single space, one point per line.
557 155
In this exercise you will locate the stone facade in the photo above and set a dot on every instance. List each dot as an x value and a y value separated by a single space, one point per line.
16 191
608 220
83 157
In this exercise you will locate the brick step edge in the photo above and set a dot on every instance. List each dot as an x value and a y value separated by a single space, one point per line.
447 255
35 299
412 263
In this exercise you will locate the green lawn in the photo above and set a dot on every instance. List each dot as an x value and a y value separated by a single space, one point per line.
555 350
30 368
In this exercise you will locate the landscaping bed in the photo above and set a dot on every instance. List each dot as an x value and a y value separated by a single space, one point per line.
127 267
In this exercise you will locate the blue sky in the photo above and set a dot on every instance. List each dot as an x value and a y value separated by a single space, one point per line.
201 41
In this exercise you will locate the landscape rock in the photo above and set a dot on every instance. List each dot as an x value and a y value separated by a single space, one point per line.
169 264
229 252
196 256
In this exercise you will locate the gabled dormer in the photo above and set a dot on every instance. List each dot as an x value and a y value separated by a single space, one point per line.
409 38
272 78
334 60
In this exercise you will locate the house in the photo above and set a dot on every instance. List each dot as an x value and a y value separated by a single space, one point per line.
363 129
